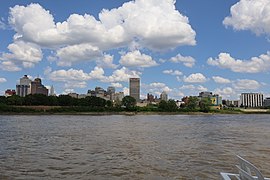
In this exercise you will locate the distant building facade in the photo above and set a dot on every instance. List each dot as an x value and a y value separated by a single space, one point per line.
134 88
251 100
216 100
266 102
10 92
38 88
164 96
23 88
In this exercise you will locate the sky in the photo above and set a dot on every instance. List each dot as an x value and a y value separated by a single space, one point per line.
182 47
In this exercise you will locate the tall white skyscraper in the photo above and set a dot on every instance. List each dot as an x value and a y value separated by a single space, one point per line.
23 88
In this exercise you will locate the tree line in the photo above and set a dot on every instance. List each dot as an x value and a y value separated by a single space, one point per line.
92 103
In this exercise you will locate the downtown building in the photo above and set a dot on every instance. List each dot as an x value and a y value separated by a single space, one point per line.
134 88
251 100
23 88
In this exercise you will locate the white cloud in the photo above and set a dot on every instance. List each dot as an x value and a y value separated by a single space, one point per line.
107 62
253 15
227 92
76 53
84 38
156 24
117 85
221 80
246 84
201 88
254 65
2 80
21 54
67 91
195 78
9 66
173 72
188 61
137 59
122 75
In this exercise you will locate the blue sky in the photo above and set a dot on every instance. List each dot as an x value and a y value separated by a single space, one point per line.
182 47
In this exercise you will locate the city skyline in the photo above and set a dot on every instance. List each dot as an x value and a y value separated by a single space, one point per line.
181 47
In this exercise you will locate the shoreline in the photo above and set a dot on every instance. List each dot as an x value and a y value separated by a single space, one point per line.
134 113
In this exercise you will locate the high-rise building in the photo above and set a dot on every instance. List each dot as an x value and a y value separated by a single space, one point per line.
134 88
111 92
251 100
23 88
164 96
52 91
38 88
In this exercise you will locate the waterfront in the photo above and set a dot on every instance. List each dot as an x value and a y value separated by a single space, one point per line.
131 147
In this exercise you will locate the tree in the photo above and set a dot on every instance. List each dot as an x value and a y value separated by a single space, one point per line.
162 105
192 103
129 102
14 100
65 100
205 104
171 105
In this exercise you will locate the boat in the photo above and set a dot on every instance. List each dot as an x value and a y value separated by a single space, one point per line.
247 171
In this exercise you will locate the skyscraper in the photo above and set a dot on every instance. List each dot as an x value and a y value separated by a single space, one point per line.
38 88
23 88
134 88
164 96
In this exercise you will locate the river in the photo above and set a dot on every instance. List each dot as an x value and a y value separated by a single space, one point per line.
131 147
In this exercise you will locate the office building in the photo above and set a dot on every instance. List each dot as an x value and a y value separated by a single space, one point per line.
111 92
216 100
164 96
23 88
134 88
38 88
251 100
266 102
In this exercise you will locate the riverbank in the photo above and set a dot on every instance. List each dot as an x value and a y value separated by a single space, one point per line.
76 110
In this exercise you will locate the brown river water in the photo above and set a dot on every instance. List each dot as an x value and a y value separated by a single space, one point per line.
131 147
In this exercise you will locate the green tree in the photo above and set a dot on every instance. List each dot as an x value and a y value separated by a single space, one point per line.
171 105
162 105
3 100
15 100
192 103
205 104
65 100
129 102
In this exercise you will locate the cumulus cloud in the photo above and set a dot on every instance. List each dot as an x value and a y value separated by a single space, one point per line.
173 72
2 80
246 84
117 85
137 59
188 61
254 65
76 53
9 66
21 54
227 92
107 62
253 15
73 78
156 88
84 38
195 78
193 88
155 24
221 80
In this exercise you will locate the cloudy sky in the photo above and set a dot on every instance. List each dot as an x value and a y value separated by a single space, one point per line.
182 47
